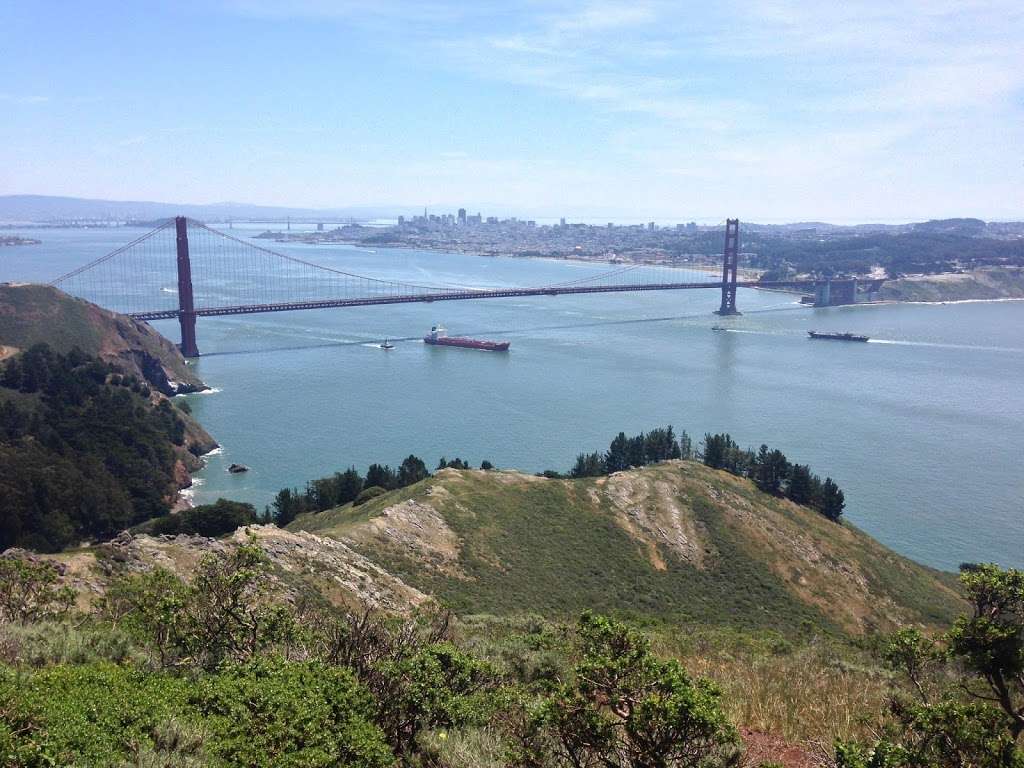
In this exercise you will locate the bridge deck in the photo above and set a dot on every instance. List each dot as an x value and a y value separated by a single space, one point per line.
458 296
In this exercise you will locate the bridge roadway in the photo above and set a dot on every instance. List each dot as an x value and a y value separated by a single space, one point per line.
249 309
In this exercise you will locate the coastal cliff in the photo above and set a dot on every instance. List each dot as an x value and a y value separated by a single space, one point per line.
31 315
41 314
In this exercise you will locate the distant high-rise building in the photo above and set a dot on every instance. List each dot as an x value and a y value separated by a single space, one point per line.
650 226
401 220
462 216
561 222
319 227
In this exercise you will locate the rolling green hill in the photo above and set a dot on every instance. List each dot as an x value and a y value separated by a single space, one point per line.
675 541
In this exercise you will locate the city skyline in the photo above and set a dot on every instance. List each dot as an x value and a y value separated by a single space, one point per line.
777 111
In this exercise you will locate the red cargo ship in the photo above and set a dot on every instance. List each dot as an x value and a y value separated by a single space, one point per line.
440 337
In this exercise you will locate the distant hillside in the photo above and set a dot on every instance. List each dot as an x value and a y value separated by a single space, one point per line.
33 314
996 283
675 541
44 208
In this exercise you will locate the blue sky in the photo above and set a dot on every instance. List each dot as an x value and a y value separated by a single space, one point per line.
763 109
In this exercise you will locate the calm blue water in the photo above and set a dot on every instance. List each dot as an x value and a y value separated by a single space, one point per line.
923 428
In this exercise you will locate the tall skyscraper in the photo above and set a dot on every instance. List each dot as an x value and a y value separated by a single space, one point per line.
462 216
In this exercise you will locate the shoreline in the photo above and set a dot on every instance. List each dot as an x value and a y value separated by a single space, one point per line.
746 272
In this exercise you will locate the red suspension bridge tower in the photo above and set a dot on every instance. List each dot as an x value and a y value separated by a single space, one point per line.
186 304
730 259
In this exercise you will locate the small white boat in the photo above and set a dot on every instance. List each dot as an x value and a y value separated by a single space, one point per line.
387 344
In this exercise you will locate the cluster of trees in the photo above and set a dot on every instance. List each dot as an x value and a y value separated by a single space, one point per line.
223 670
350 486
775 474
217 519
83 452
769 468
916 252
659 444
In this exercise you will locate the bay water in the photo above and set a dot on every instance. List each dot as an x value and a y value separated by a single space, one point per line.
923 427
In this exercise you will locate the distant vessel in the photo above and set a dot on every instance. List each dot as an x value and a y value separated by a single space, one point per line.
439 336
717 328
837 336
387 344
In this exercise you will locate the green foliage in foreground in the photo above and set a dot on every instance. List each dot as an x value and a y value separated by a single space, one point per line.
225 686
269 712
966 706
280 684
29 591
623 707
273 713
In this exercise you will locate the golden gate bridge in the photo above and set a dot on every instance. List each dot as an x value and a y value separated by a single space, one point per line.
218 274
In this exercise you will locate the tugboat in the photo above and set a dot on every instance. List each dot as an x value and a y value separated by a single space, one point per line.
837 336
439 336
387 344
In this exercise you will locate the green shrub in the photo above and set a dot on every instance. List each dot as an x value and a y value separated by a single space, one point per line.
369 493
624 707
217 519
272 713
92 715
29 591
227 611
47 643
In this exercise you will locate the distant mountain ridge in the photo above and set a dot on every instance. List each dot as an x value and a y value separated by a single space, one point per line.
48 209
44 208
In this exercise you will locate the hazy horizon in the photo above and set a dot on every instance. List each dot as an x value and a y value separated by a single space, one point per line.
390 211
767 109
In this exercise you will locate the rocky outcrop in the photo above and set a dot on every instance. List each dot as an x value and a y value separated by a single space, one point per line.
300 563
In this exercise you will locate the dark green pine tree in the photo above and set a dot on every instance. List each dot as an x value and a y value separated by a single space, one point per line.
349 484
831 500
588 465
771 468
378 476
801 489
617 457
412 471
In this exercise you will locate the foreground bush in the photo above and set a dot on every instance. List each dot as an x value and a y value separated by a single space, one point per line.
269 712
623 708
85 715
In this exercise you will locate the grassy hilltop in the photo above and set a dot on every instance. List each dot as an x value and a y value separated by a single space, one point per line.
675 541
